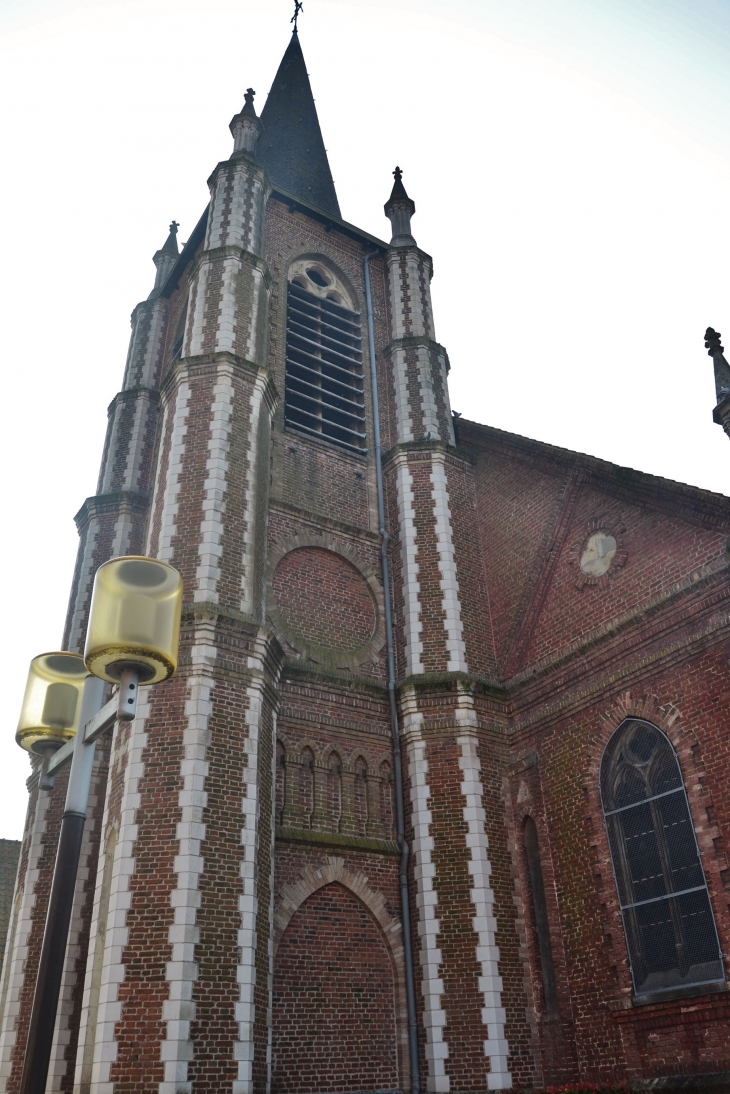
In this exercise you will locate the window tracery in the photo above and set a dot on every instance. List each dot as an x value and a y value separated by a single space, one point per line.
665 906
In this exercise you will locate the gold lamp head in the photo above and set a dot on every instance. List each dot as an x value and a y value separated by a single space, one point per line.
52 702
134 622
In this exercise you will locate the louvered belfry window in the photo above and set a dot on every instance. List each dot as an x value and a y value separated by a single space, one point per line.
324 379
670 929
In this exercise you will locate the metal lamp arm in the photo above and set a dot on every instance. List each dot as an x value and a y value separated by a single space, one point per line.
94 720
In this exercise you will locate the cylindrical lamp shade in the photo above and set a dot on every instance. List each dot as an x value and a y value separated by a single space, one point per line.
52 702
134 622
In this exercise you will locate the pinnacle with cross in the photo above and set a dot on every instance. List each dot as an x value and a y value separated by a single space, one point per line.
398 192
713 345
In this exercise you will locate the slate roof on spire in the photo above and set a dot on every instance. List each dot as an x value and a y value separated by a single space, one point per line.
398 193
170 245
291 148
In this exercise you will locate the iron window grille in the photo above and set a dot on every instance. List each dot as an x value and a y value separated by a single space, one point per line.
665 906
324 394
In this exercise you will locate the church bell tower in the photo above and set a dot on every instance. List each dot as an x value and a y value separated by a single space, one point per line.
239 923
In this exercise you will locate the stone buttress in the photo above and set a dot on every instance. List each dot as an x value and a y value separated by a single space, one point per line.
463 1017
111 523
185 950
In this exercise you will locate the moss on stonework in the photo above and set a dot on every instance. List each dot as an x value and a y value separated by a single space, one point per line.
336 839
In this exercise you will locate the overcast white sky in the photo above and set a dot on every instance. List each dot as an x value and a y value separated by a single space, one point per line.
570 163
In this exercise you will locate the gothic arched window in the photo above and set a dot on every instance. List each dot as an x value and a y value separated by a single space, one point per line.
665 906
540 918
323 394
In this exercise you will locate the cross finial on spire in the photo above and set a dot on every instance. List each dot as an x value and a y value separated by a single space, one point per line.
245 126
165 258
399 191
399 209
713 345
298 6
170 244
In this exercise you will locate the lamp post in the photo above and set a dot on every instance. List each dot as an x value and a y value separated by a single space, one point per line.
132 640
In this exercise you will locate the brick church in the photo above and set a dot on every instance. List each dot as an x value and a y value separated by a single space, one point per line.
439 796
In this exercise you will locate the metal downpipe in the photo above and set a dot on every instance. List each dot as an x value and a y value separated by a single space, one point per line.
394 724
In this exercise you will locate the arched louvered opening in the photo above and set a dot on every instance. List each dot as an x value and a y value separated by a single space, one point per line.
324 390
540 918
668 921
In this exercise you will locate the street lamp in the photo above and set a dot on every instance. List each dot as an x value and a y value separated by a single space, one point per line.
132 640
49 716
134 623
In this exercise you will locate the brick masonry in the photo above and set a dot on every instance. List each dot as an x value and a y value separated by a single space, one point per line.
238 923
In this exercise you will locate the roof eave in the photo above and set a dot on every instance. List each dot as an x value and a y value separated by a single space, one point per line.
610 473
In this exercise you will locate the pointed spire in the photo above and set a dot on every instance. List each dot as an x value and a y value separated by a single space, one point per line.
399 209
246 126
291 149
166 257
170 245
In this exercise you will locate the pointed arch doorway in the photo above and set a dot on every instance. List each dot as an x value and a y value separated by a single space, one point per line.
334 1010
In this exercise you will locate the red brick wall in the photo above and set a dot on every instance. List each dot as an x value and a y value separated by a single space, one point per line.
515 503
324 598
142 993
661 550
476 609
308 473
464 1031
334 1005
216 991
46 862
517 519
523 797
614 1039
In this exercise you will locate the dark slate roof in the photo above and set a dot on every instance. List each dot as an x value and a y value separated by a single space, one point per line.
291 148
705 506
